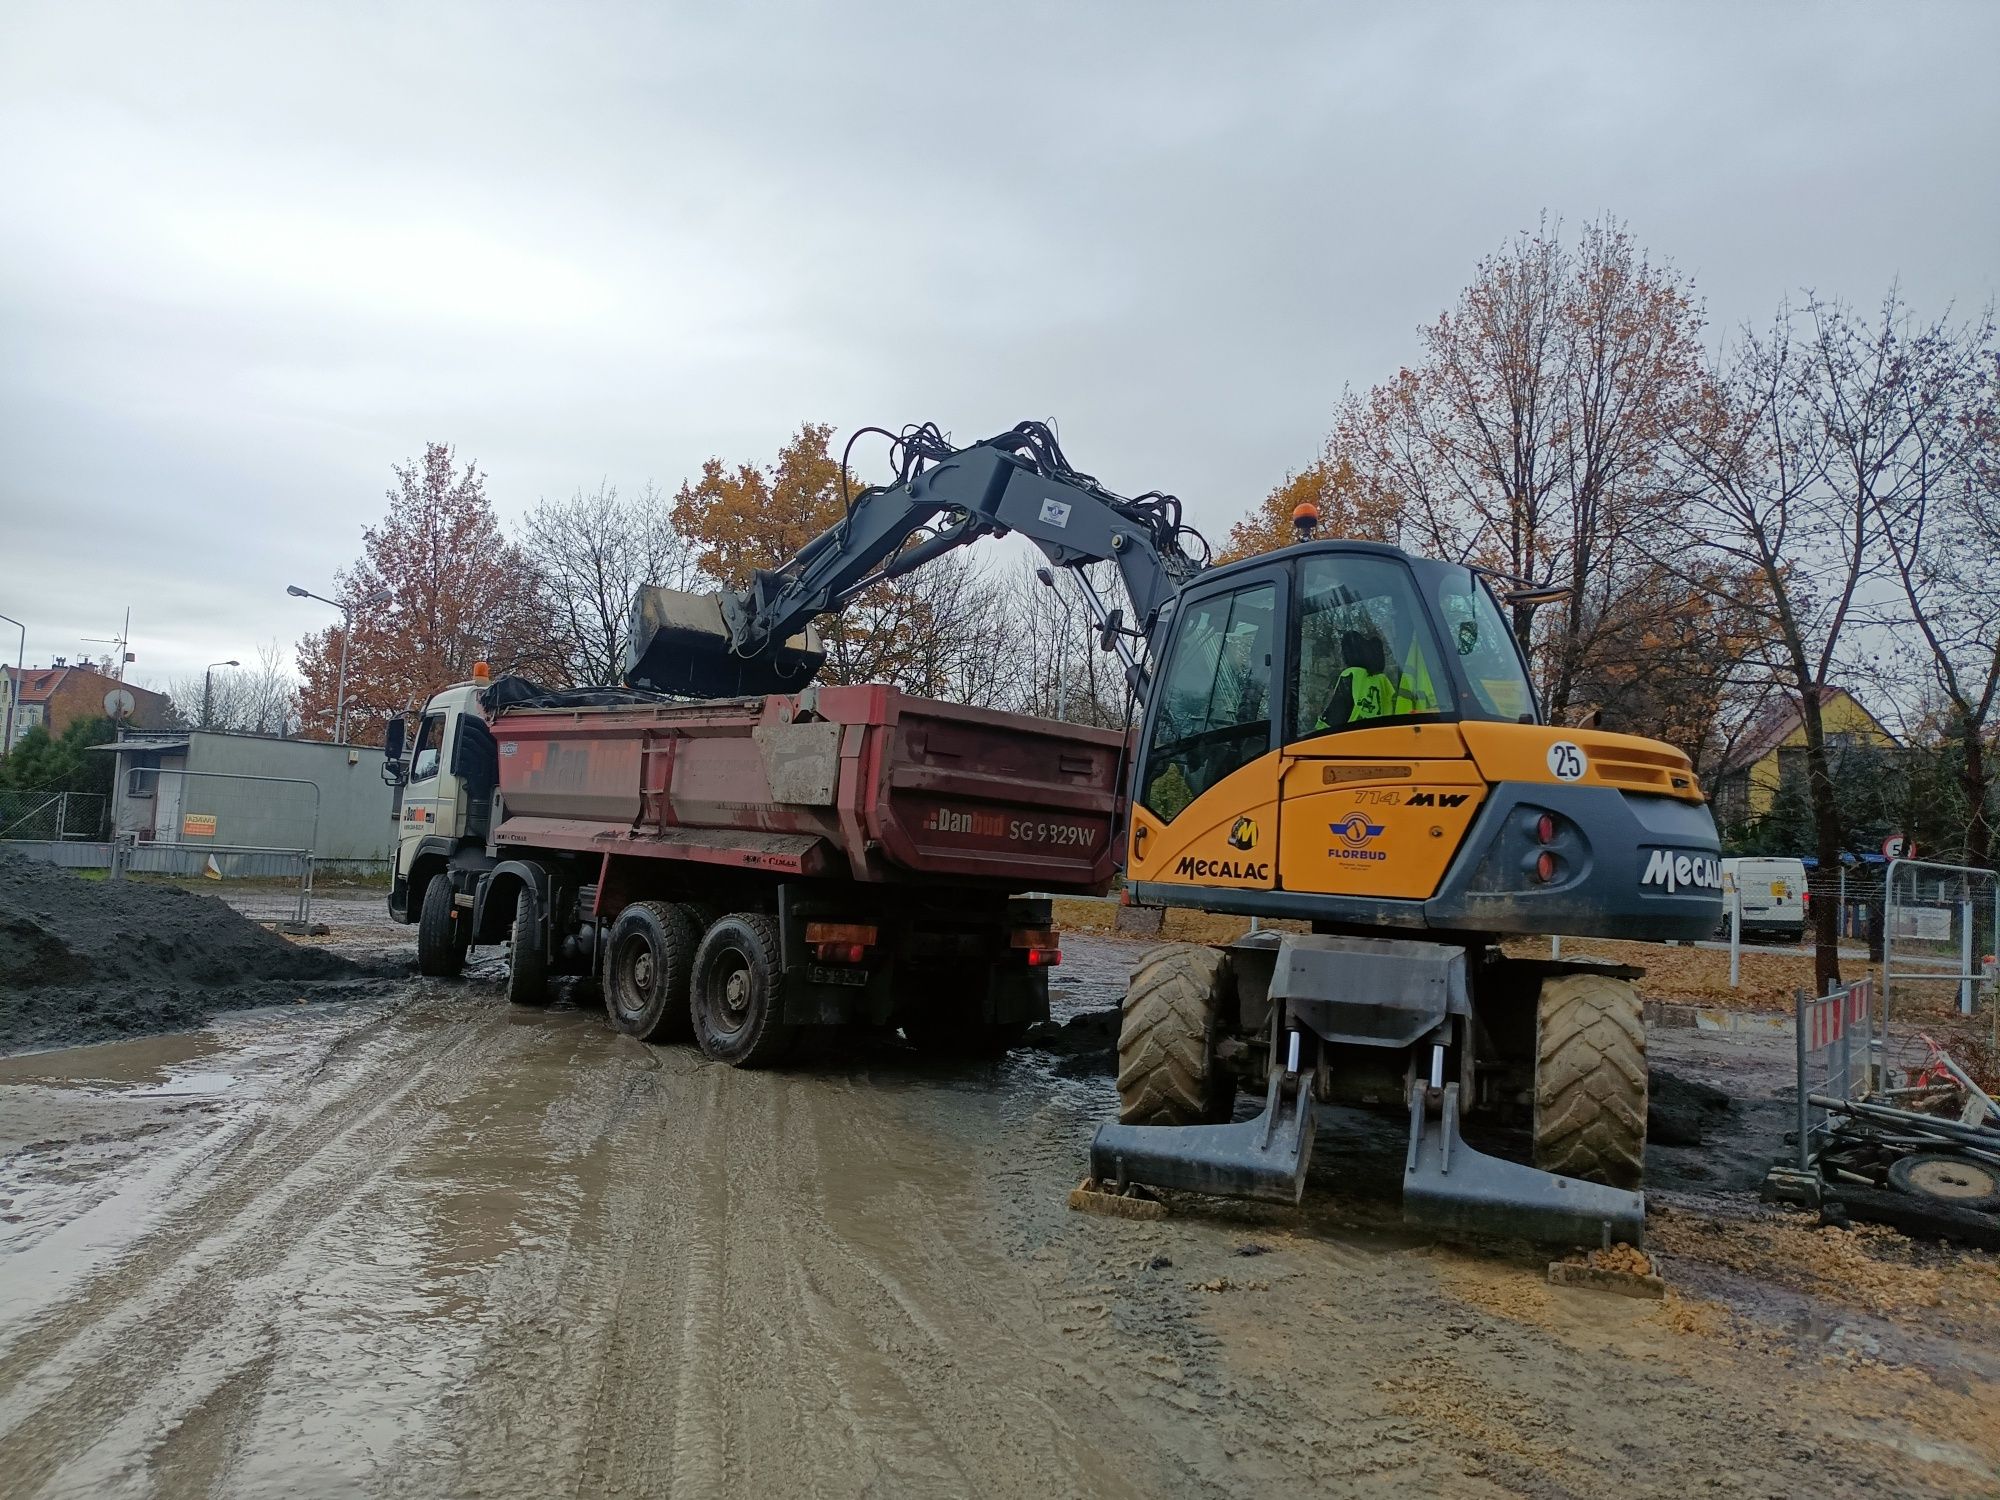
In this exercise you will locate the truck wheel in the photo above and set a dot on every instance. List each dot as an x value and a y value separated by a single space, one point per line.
441 937
646 964
1590 1080
528 953
1174 1008
734 995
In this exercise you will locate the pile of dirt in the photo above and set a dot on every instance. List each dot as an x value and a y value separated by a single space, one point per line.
82 960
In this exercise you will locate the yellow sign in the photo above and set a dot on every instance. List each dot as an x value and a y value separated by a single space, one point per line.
198 826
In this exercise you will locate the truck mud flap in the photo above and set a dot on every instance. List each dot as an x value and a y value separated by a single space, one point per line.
1450 1187
1262 1158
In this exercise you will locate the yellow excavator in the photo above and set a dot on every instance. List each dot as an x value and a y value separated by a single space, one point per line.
1346 738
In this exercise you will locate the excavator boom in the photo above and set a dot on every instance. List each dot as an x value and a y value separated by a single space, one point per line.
757 639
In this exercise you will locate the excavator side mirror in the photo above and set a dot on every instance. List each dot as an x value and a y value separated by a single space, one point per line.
1114 626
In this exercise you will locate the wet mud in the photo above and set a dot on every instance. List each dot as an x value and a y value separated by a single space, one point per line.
438 1246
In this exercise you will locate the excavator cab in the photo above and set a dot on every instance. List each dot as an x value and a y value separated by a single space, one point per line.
1345 739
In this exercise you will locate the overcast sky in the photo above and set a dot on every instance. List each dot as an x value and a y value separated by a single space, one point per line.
252 255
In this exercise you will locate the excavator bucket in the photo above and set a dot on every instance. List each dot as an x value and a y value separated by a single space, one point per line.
1449 1187
679 644
1262 1158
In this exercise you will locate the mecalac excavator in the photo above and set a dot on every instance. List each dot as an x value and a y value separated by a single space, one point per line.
1337 734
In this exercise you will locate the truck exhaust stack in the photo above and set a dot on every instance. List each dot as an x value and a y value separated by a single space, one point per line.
680 645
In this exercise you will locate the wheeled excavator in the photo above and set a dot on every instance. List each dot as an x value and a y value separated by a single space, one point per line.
1344 738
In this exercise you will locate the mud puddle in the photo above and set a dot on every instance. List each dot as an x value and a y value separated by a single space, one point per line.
450 1247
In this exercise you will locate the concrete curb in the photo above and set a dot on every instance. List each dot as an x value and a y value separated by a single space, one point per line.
1670 1015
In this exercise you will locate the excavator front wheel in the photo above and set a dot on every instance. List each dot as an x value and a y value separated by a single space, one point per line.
1175 1005
1590 1080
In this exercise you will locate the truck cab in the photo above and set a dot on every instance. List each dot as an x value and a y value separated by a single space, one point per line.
443 800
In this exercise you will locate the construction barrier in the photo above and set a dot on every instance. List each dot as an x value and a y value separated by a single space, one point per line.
1839 1055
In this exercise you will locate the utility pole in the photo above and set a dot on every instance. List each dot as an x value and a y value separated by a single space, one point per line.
13 688
346 634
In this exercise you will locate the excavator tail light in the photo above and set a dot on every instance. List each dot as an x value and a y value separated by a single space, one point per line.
1545 867
1545 829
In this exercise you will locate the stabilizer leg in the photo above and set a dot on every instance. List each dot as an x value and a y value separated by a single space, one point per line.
1262 1158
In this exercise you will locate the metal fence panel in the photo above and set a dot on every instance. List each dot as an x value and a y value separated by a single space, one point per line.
52 816
1838 1055
1941 928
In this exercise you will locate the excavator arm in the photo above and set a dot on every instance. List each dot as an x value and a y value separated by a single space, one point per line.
756 639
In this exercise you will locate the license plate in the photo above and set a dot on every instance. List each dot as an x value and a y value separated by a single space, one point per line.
826 974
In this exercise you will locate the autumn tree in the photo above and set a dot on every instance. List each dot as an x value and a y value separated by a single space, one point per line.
930 632
436 588
1533 435
593 552
1348 507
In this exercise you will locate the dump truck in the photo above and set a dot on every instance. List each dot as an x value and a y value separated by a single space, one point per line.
1336 735
736 872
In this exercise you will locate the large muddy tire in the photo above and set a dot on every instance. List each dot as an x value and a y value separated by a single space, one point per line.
734 996
1174 1011
647 960
440 953
1590 1080
528 952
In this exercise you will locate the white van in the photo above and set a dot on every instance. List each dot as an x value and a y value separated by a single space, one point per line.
1774 897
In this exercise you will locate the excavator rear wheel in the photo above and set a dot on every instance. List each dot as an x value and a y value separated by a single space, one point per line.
1590 1080
1174 1010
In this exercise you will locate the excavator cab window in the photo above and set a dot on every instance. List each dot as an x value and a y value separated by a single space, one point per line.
1487 659
1365 649
1214 711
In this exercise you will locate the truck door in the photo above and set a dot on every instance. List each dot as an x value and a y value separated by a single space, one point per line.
430 800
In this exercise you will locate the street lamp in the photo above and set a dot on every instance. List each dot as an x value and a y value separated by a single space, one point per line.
208 687
346 631
13 689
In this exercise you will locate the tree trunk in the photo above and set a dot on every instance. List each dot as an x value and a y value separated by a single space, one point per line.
1973 780
1826 841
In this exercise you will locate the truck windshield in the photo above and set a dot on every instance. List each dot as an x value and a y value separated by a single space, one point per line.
1478 632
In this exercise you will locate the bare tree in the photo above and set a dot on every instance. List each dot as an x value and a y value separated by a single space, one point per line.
1790 515
593 552
1914 413
261 697
1060 672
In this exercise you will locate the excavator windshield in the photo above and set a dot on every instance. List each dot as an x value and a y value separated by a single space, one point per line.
1478 633
1365 649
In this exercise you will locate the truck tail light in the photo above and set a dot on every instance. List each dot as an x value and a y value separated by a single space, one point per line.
840 942
1036 937
1044 958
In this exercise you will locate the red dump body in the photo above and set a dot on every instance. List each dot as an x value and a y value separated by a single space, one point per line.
867 783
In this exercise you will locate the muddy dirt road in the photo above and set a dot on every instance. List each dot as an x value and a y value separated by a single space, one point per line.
431 1246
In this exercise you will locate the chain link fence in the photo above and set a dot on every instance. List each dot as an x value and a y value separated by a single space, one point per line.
52 817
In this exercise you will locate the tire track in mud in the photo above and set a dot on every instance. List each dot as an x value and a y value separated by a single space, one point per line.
153 1336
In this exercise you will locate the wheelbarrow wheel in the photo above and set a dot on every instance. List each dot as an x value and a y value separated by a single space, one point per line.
1168 1073
1590 1080
1944 1177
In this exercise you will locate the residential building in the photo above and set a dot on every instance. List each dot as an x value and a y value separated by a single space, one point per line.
60 694
1772 747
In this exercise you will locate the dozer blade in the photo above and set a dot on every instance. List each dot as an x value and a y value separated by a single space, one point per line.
1448 1186
1261 1158
679 644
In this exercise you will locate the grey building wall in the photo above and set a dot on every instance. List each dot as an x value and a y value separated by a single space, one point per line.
351 801
353 804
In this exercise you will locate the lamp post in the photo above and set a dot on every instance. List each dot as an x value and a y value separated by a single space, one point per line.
346 632
13 689
208 688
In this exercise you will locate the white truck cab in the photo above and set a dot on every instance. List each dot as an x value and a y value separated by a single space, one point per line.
443 779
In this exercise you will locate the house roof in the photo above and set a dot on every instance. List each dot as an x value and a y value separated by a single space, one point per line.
37 683
1777 722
